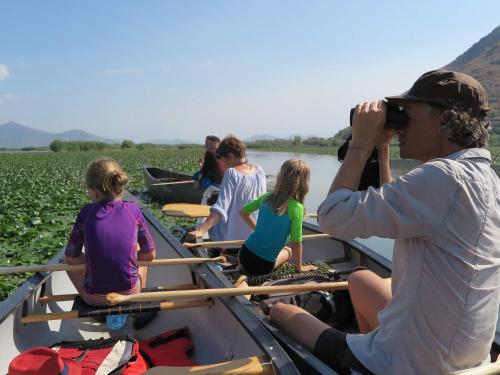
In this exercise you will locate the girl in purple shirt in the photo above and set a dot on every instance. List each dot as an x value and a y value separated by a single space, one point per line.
115 236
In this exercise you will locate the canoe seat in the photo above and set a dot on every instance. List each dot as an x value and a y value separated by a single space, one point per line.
287 271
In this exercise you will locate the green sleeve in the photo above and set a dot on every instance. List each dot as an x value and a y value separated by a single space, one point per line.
296 215
255 204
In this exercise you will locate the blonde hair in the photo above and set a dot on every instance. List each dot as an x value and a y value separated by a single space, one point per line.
292 182
106 177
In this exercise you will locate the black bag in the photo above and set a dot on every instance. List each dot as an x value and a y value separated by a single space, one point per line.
334 308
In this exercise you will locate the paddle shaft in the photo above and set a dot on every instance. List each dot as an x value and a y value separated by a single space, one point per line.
173 183
241 242
71 297
34 318
115 298
78 267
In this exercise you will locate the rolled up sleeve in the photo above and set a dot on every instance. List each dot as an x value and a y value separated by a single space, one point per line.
414 205
225 199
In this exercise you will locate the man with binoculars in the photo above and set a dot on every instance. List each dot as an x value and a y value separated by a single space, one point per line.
439 313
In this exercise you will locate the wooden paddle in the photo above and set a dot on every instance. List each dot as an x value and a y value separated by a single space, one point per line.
75 314
234 243
186 210
115 298
71 297
174 183
76 267
243 366
194 210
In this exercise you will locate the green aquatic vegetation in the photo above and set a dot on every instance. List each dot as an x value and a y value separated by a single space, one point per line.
43 192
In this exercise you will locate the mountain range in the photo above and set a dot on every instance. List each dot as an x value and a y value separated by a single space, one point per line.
14 135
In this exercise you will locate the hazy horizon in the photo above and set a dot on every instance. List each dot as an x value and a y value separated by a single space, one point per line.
177 69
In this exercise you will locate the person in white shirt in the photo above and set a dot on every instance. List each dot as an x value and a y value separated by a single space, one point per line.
439 313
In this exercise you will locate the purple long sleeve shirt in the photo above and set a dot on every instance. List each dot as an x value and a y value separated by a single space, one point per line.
110 231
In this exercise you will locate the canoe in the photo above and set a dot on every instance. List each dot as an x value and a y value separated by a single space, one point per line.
170 193
341 257
224 330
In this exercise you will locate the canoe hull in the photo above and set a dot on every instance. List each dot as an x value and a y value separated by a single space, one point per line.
222 331
182 193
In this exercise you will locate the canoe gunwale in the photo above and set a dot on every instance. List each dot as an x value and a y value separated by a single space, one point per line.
25 290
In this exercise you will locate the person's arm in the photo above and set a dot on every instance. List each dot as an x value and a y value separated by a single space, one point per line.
73 253
212 219
367 128
248 208
146 245
384 164
248 218
297 258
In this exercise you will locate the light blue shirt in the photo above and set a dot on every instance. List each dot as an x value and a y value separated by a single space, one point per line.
235 190
445 218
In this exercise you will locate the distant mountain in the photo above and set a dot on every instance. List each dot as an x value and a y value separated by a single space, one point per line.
176 141
14 135
482 61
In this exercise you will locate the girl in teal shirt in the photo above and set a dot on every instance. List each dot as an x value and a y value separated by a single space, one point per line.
280 220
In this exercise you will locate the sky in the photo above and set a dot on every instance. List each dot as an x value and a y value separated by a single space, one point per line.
148 70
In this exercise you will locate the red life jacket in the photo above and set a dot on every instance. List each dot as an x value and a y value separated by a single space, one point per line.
104 356
168 349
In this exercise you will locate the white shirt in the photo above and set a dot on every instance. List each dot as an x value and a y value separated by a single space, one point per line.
445 218
236 190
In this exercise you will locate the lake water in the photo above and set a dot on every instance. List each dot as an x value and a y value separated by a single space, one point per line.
323 169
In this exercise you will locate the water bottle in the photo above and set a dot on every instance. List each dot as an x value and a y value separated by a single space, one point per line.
116 322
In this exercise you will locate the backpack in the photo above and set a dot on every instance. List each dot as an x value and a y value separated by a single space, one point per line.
115 355
332 307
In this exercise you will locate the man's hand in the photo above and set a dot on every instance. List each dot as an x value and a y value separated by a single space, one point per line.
368 125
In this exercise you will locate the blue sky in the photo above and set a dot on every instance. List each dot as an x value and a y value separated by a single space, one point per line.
182 69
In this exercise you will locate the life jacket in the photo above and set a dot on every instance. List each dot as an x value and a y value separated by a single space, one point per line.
170 348
115 355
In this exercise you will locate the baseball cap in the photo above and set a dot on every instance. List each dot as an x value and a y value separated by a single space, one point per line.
447 89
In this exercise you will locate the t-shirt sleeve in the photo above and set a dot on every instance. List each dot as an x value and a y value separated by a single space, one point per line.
296 215
255 204
75 241
144 237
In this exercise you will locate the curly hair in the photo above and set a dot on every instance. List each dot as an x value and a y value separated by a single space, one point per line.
465 127
231 145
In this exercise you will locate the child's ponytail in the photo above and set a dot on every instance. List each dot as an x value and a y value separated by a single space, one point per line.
106 177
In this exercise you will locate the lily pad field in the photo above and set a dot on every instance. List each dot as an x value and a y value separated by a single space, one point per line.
41 194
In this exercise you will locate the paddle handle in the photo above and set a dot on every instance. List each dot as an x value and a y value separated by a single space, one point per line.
79 267
241 242
74 314
173 183
115 298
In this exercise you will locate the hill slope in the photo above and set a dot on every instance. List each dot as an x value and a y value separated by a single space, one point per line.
482 61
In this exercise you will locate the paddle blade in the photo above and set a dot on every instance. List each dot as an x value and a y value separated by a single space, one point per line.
186 210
